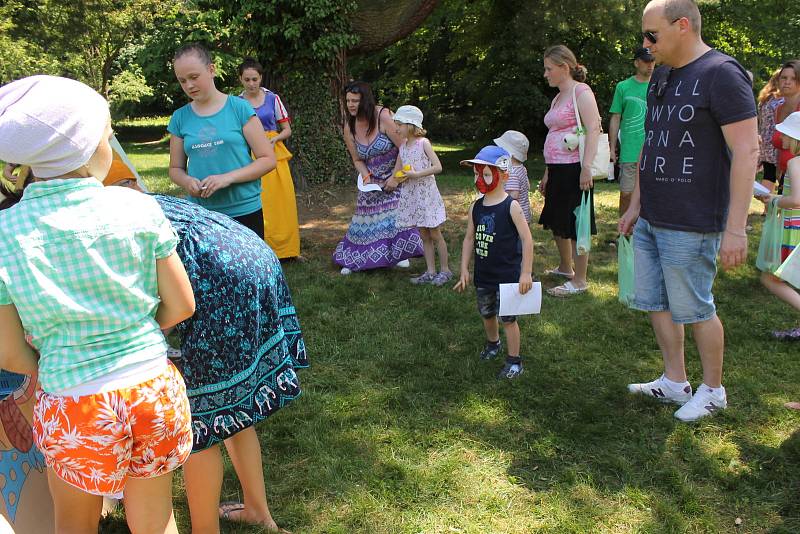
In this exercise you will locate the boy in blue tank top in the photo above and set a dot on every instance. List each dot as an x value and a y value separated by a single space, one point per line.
499 236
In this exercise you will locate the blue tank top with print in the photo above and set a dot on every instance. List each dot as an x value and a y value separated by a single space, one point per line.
498 248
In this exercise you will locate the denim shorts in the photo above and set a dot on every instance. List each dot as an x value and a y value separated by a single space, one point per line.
489 304
675 271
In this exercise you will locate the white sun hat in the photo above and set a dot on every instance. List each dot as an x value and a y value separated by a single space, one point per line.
51 123
790 126
408 115
515 143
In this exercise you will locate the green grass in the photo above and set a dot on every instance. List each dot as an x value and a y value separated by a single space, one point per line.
402 430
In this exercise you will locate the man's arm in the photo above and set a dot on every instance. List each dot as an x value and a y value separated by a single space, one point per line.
742 140
613 134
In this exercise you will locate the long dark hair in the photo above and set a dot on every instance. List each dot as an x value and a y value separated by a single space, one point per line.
366 106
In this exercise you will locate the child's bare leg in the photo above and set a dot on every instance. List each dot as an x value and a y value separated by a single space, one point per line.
148 505
441 248
428 250
512 337
781 289
202 474
76 512
492 329
245 452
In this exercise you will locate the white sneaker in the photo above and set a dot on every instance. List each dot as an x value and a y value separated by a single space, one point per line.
403 264
659 390
345 271
704 403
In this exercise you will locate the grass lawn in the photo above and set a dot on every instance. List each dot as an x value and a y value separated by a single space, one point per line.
402 430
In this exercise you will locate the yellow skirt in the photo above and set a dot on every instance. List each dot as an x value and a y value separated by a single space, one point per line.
281 230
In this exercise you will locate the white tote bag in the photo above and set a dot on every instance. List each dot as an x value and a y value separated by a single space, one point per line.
602 157
790 268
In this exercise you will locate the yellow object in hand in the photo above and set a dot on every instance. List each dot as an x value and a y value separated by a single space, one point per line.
402 173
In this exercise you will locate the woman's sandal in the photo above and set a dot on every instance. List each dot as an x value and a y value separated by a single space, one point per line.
556 272
793 405
566 290
229 507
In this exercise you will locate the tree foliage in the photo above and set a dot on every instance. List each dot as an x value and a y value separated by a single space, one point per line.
475 66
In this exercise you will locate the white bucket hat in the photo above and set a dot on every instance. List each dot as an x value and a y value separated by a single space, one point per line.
409 115
52 124
790 126
515 143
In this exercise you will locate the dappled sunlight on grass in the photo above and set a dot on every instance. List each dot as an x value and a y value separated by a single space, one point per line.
402 429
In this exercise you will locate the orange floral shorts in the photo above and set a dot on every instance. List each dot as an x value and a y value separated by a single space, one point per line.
95 442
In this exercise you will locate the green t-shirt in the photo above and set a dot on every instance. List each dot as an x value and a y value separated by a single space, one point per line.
630 101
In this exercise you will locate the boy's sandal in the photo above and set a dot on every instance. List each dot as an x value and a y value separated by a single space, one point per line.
229 507
556 272
565 290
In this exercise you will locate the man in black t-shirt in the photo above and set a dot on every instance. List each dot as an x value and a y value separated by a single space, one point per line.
690 202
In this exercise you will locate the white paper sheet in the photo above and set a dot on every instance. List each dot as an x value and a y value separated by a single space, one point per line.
367 187
512 303
760 190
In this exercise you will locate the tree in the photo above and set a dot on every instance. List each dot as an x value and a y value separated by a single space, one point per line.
475 66
84 38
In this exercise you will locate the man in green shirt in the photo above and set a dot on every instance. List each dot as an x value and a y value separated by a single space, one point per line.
628 110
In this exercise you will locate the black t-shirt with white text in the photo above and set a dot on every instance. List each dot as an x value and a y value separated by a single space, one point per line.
684 170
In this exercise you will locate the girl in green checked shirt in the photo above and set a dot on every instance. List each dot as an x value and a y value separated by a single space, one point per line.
92 275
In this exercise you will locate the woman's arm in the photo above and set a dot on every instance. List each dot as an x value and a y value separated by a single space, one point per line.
350 143
15 353
285 129
263 162
590 118
177 167
543 182
175 290
386 124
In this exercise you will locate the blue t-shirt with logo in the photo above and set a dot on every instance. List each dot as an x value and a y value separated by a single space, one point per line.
215 144
684 171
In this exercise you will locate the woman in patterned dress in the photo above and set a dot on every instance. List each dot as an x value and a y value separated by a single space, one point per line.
238 355
373 239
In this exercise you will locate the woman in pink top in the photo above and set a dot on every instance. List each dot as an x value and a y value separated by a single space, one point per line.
564 179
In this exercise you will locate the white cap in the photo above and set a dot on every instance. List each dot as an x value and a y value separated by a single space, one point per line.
790 126
408 115
52 124
515 143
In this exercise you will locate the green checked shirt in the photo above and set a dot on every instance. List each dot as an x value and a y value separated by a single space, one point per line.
79 262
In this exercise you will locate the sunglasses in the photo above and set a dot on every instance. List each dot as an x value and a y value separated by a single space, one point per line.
653 37
661 86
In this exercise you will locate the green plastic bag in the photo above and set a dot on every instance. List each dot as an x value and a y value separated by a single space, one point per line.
583 226
790 269
769 249
625 278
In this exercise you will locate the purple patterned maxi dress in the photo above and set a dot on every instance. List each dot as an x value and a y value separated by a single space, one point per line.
373 239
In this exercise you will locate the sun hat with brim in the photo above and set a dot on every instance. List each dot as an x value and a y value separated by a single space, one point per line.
491 155
50 123
408 115
515 143
790 126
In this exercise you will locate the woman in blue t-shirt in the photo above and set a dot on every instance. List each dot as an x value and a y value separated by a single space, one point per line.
211 140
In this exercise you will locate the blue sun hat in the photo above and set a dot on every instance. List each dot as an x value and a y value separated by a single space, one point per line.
491 155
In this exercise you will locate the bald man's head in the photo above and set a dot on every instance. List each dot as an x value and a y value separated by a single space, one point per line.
678 9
